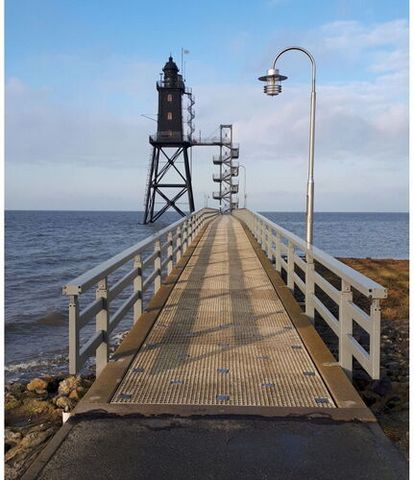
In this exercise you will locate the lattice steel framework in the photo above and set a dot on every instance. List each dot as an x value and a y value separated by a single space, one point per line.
229 169
160 189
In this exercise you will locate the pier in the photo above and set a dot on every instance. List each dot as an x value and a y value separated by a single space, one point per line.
222 374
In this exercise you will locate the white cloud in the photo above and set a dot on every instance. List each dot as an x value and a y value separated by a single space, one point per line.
39 130
353 35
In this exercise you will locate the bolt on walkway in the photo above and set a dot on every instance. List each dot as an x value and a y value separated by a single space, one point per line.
224 336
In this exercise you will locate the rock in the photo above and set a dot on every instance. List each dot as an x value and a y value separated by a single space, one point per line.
393 402
53 384
26 406
65 403
73 395
11 402
34 406
11 437
16 389
37 428
370 398
37 385
28 443
33 439
14 452
67 385
77 394
382 387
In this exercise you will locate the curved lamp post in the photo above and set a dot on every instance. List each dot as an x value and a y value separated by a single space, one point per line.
273 87
244 185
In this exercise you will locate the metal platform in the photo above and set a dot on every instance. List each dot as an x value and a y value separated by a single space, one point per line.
224 337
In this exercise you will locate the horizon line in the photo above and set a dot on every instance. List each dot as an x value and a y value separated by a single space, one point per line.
259 210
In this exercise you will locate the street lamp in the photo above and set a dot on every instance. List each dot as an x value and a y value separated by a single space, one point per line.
273 87
244 190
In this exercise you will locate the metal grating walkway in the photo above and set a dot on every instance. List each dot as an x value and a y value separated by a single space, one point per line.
224 337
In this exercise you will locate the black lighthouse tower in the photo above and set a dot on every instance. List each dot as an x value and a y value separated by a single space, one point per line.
169 178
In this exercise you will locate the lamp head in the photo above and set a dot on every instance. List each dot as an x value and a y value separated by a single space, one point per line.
273 82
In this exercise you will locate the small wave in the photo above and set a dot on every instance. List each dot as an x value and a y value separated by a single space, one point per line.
29 323
27 370
53 319
35 364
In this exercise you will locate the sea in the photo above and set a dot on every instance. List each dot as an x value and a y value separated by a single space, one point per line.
46 249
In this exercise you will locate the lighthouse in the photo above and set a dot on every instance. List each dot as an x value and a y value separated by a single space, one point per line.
169 179
170 112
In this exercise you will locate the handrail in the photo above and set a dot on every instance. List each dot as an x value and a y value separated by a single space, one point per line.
361 282
178 235
281 248
83 282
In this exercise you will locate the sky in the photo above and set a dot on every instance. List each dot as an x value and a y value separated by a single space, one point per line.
80 74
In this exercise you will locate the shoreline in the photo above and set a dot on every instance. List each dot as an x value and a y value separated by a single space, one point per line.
34 409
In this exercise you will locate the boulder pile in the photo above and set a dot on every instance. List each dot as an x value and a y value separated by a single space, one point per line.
33 413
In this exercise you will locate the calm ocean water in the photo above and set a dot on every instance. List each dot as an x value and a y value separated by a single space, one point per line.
46 249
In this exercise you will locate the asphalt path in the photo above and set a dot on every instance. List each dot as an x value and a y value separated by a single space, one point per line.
221 448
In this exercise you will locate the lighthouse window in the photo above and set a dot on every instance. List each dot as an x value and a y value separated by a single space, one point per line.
169 116
169 98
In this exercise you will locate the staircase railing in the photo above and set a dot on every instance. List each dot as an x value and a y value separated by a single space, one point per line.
144 274
296 259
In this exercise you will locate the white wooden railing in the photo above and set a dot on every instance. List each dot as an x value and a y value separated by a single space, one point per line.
288 252
165 247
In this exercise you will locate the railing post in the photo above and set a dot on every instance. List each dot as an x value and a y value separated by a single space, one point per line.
102 322
185 236
278 252
309 288
200 223
74 366
179 246
375 339
196 225
345 327
269 242
138 305
291 266
170 253
190 232
261 234
157 266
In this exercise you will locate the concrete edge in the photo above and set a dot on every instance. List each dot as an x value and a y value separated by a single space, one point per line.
337 382
116 409
44 456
